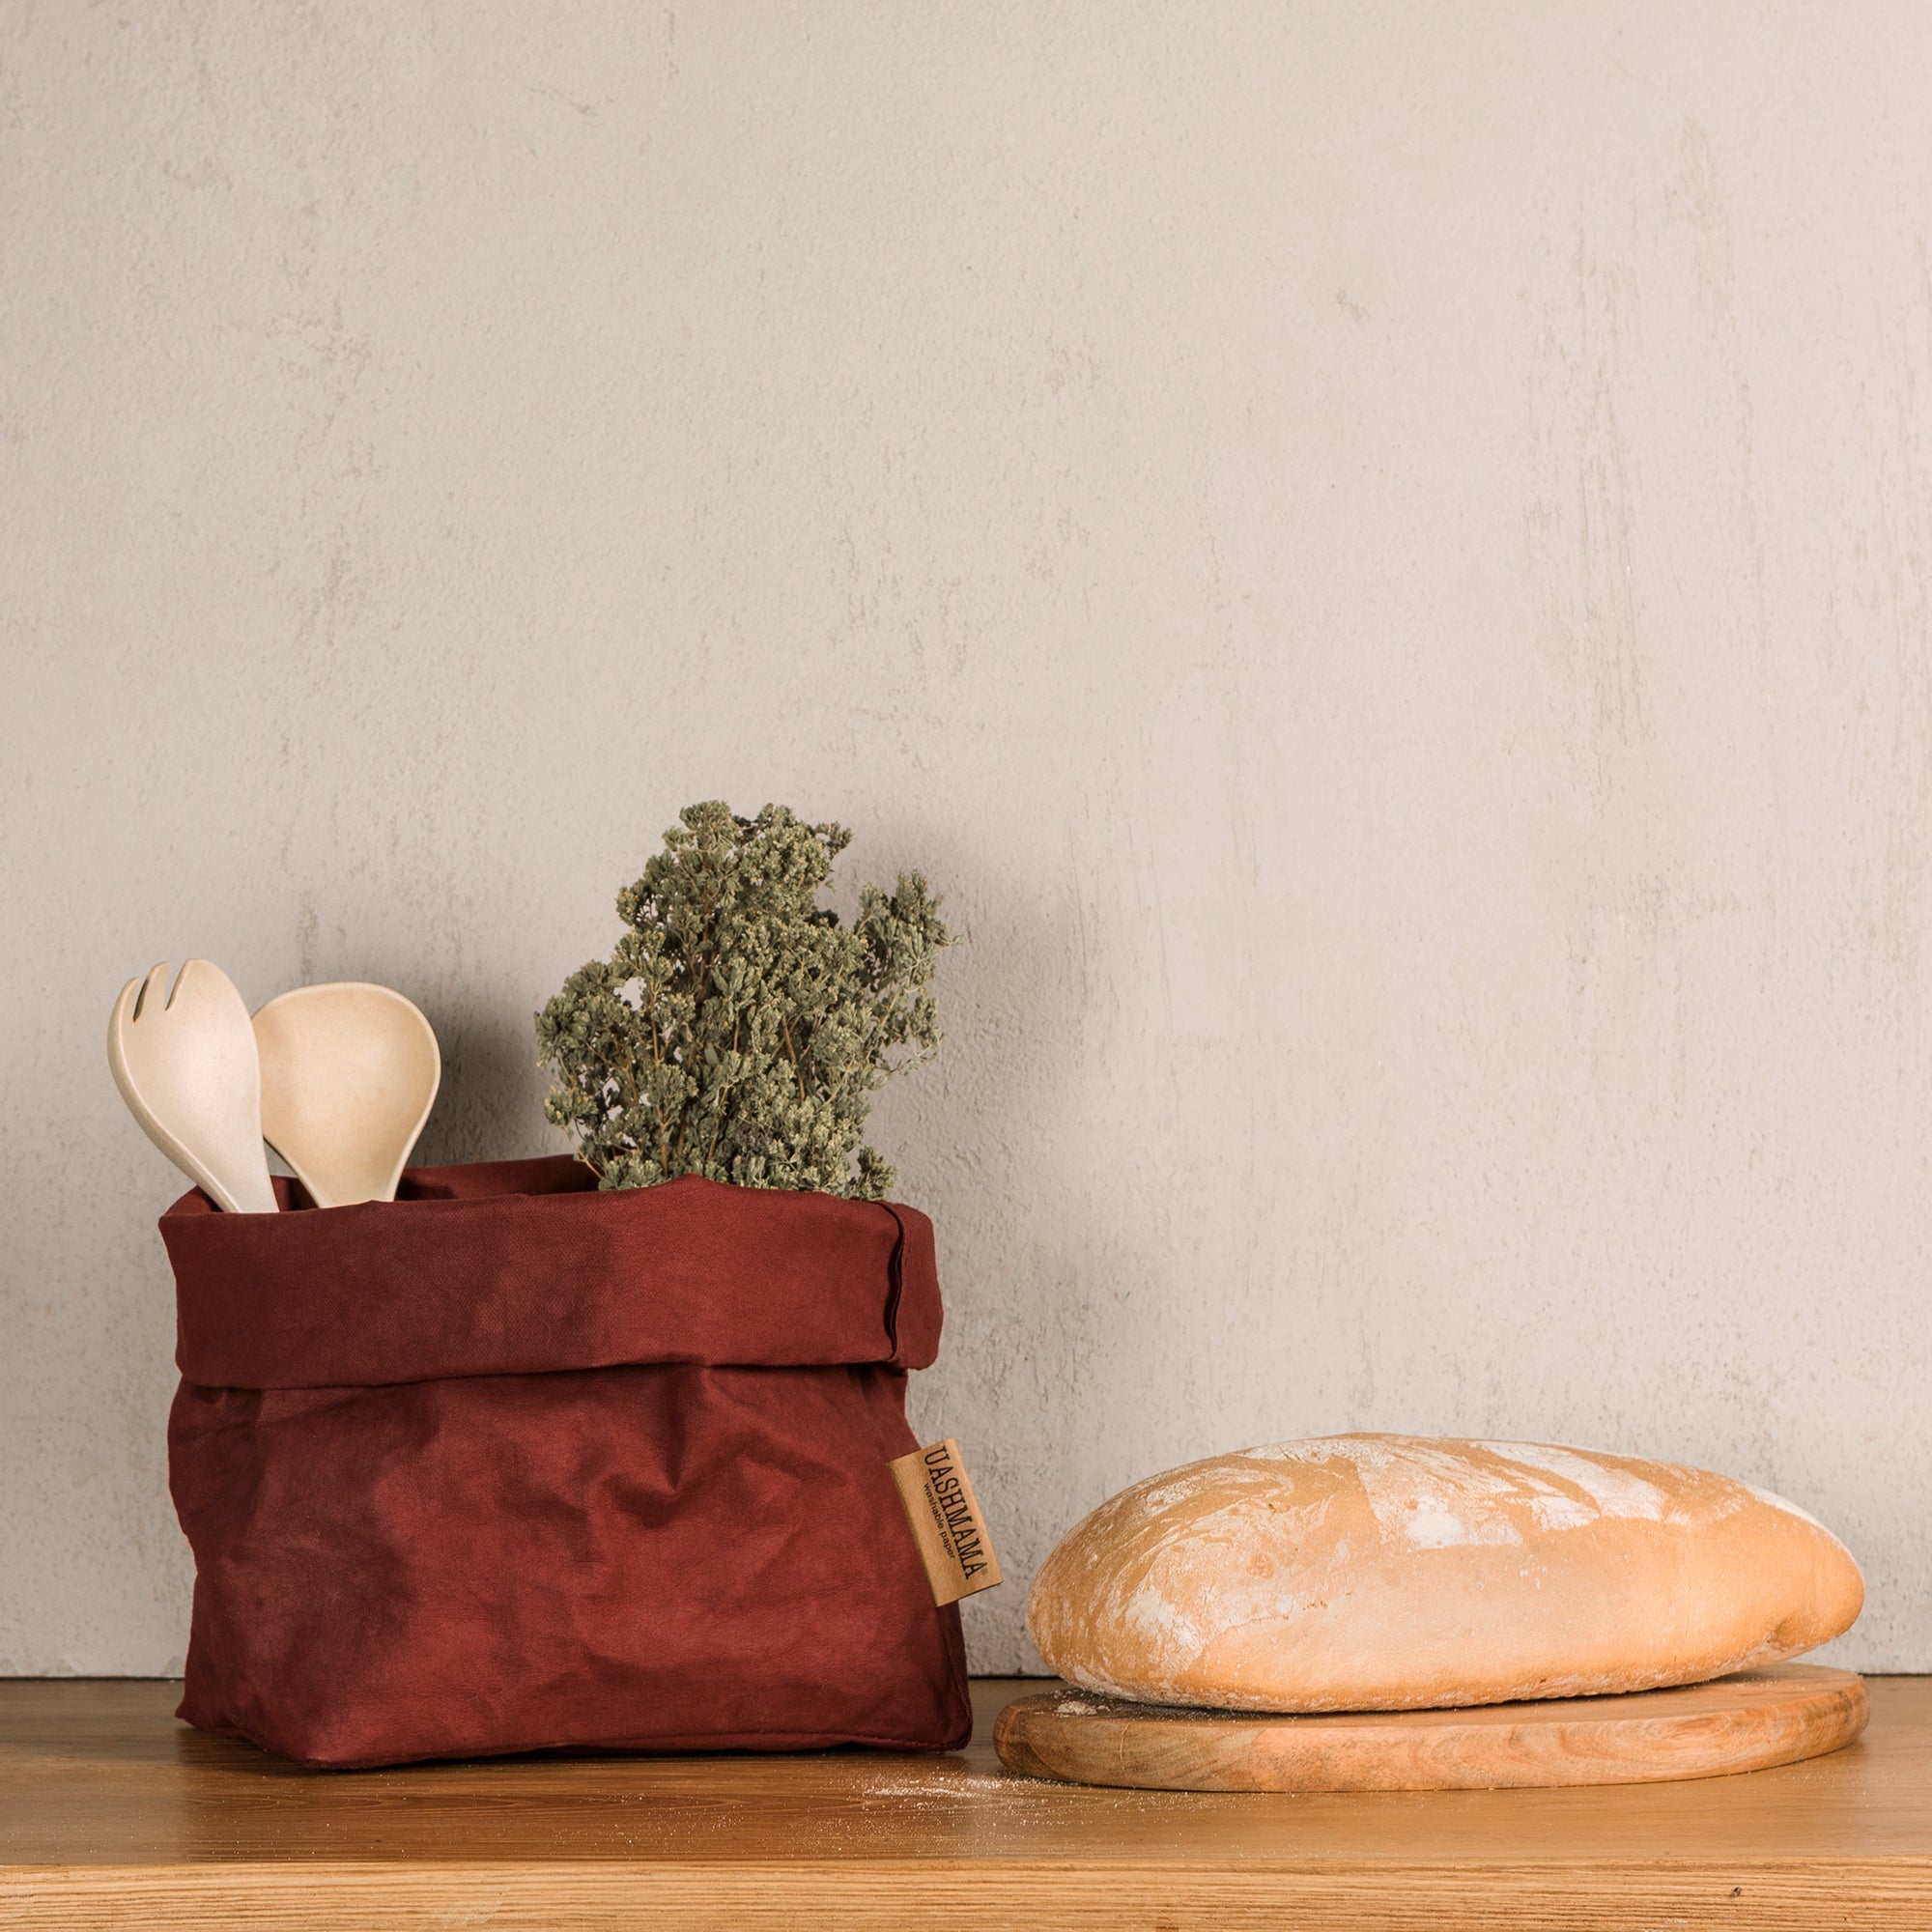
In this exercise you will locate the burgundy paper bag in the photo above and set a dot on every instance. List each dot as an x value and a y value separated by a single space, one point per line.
514 1464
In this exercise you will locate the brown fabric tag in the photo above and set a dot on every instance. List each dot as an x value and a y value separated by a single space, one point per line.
946 1521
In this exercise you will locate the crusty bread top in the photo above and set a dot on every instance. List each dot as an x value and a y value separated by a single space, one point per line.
1389 1571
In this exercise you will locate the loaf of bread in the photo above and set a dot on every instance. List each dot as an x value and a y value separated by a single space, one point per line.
1393 1572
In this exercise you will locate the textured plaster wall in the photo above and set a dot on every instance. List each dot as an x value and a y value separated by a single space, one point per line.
1380 554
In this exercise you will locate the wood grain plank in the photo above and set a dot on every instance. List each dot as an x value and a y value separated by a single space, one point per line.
111 1814
799 1895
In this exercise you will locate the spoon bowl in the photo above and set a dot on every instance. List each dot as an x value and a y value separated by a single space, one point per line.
349 1075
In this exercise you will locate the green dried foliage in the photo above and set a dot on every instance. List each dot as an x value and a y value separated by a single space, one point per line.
739 1030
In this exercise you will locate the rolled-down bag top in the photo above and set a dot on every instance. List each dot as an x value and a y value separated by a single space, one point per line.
511 1464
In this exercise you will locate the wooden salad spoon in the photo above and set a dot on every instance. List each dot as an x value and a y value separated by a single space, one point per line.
349 1075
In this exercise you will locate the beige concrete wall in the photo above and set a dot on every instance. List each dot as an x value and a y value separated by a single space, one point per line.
1380 552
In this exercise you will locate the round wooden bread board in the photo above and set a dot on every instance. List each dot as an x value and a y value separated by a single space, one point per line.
1743 1723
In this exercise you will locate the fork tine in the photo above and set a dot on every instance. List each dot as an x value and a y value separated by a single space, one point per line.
124 1007
120 1029
192 977
156 979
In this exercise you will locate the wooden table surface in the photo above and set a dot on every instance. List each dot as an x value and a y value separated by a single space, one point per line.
113 1814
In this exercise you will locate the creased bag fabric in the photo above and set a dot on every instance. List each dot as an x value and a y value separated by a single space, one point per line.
514 1464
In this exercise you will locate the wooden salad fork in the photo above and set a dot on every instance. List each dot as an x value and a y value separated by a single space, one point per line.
186 1063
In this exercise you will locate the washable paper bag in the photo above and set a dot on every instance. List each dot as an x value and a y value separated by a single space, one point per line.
511 1465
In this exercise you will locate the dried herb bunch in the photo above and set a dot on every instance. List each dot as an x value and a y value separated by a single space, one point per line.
739 1030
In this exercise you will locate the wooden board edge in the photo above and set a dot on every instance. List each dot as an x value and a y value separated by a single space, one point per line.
1824 1712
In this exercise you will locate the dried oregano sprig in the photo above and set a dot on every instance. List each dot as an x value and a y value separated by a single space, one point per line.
739 1030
